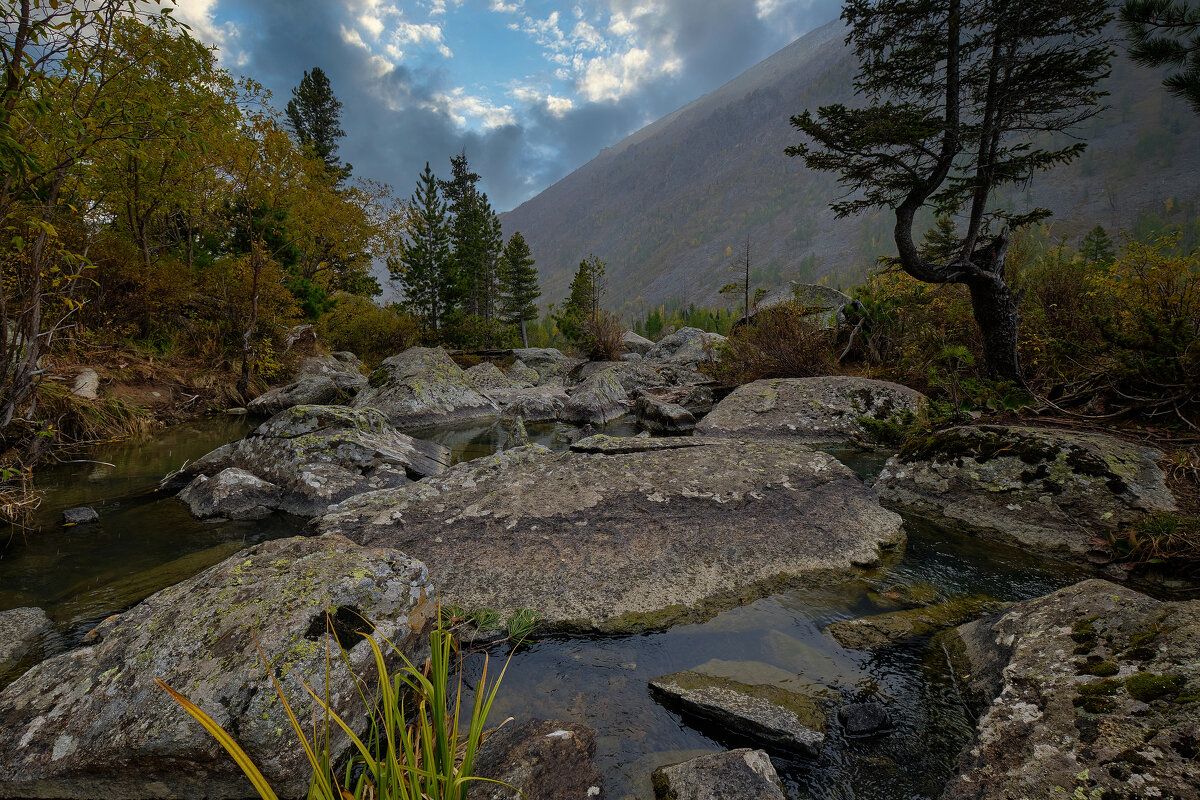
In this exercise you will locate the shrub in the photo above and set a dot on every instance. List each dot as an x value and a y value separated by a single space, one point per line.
370 332
602 337
778 342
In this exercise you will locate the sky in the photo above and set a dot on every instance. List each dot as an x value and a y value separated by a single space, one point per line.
530 89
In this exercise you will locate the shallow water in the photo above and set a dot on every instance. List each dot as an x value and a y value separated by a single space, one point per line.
146 541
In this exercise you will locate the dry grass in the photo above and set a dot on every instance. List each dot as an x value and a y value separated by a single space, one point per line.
604 334
779 342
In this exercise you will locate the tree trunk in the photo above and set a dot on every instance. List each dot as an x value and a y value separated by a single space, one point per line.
524 335
997 313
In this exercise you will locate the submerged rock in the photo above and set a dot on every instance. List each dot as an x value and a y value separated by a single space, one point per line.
733 775
826 409
423 387
864 719
538 760
1046 489
629 541
21 633
865 633
767 714
308 457
1095 689
81 515
92 723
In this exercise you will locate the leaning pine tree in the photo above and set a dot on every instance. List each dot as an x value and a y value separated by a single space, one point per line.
959 96
518 284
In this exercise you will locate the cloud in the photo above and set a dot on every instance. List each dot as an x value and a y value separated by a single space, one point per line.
607 68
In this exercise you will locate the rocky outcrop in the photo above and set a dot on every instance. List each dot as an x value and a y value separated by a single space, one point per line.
21 633
1045 489
733 775
1092 691
523 375
486 376
231 494
769 715
866 633
92 723
422 387
633 343
538 760
342 367
310 390
657 416
597 400
629 541
687 345
304 460
536 404
825 409
550 364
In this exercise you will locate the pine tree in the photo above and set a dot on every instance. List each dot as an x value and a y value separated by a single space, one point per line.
424 270
518 285
1096 247
314 115
956 97
582 305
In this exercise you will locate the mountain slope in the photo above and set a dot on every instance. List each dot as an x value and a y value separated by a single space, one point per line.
669 207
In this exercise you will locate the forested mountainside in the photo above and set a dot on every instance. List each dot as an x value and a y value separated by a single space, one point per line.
669 207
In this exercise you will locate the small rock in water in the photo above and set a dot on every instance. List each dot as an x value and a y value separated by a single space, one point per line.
538 760
237 412
743 774
79 516
864 719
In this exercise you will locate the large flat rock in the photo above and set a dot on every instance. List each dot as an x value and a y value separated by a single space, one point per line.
826 409
423 387
732 775
92 723
625 541
303 460
538 760
1094 689
1041 488
21 632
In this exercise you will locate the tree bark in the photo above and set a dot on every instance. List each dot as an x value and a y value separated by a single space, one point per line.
997 313
524 335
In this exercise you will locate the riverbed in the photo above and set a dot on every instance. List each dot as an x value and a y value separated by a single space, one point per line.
145 541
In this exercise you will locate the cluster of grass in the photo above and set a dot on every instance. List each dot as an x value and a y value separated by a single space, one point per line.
422 743
1170 542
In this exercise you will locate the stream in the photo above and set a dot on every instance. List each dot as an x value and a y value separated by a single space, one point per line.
146 541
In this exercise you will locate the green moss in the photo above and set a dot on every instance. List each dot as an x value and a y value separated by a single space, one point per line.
1147 686
1108 686
1099 668
883 431
1145 637
1083 631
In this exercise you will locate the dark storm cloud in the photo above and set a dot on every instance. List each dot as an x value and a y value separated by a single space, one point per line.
394 124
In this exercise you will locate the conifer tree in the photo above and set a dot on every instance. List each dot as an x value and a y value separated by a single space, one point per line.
1096 247
518 285
1167 33
424 270
314 115
582 305
957 96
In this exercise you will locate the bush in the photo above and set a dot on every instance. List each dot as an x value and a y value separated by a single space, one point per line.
602 337
778 342
370 332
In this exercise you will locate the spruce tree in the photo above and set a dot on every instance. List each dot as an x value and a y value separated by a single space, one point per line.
582 305
314 115
518 285
424 270
1167 33
1096 247
957 97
